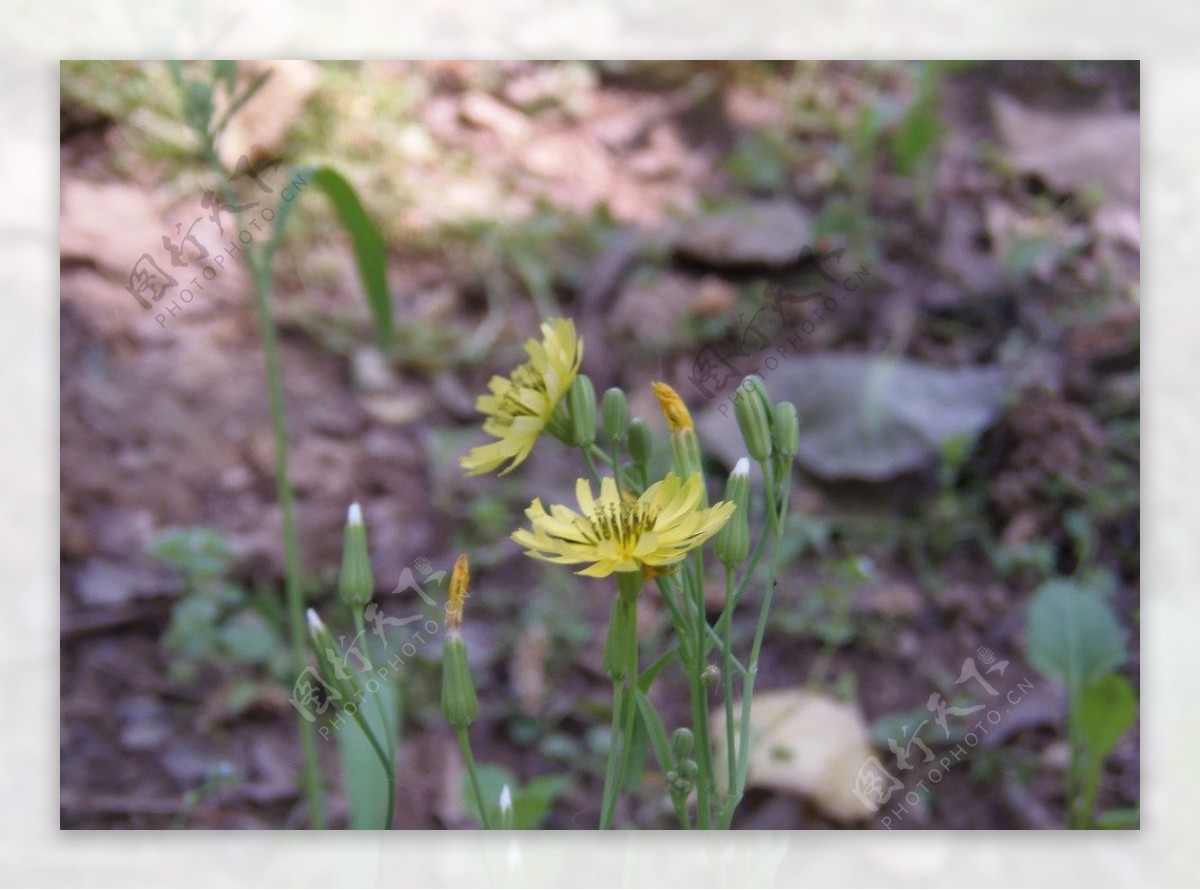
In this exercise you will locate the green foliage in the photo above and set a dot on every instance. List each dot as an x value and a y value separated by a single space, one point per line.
369 249
531 802
1106 712
363 774
921 128
1074 636
761 161
215 622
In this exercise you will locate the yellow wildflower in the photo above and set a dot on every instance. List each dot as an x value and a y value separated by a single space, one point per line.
520 405
673 409
617 535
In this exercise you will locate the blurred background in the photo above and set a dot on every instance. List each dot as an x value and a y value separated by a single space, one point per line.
938 262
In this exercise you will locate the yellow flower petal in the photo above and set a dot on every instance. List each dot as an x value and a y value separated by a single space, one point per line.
613 534
519 406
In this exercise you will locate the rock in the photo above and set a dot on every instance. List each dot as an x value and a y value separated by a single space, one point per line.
1074 151
869 417
760 233
805 744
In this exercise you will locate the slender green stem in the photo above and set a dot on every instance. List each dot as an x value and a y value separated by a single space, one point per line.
727 676
591 464
611 780
775 520
464 744
311 778
703 745
261 273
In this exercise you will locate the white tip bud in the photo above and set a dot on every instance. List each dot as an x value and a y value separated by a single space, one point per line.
314 622
506 806
354 515
742 468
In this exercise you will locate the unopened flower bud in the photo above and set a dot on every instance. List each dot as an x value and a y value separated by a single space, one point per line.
685 455
333 668
459 704
460 583
711 675
682 741
615 413
641 442
786 429
506 808
674 410
356 586
581 403
732 543
753 421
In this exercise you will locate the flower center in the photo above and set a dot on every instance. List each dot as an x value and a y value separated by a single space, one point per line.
623 524
523 377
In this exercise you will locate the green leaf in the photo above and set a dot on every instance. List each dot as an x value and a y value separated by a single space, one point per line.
1074 636
369 248
255 85
1126 817
530 802
650 674
248 638
655 730
1106 711
920 129
362 773
635 757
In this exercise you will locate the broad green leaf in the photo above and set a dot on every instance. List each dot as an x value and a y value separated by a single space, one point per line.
369 248
1074 636
362 773
1108 708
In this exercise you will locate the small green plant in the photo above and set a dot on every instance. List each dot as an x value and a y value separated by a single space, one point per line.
1075 639
203 88
215 622
511 805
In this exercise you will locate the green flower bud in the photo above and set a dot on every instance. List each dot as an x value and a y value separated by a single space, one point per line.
688 770
711 675
786 429
615 413
459 704
734 547
641 442
753 421
355 583
332 665
685 455
737 486
682 742
732 543
753 383
581 404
